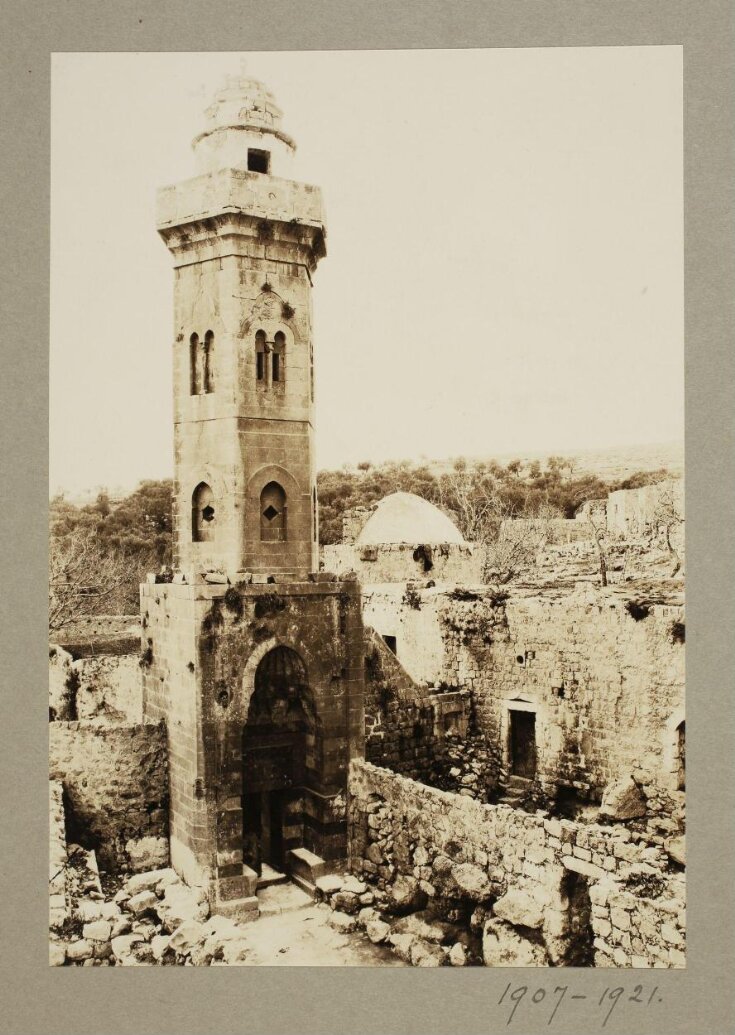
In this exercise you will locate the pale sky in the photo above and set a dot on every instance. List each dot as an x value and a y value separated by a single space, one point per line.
505 249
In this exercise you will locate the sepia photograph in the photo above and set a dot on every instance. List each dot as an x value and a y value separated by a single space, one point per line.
366 628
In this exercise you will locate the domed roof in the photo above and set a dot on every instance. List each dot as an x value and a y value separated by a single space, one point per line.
244 103
404 517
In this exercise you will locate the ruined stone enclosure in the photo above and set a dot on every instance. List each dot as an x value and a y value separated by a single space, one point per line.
427 769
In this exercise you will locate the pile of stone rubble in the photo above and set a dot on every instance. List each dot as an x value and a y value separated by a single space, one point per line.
417 936
154 919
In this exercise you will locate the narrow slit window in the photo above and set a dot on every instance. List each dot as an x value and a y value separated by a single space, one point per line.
208 362
194 364
278 361
260 356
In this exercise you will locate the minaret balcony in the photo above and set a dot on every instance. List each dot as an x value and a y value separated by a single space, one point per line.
238 191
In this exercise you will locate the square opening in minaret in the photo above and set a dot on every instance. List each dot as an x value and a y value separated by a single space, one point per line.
258 161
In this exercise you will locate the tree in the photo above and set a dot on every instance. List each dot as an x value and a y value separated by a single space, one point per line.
666 518
473 501
84 579
514 549
599 535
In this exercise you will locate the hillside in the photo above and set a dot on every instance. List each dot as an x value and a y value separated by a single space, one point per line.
609 465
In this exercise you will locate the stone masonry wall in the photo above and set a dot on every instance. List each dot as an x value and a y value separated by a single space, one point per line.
400 562
553 530
97 686
406 725
604 676
426 847
57 854
116 790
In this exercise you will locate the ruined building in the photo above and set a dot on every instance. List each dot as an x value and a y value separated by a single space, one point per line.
255 660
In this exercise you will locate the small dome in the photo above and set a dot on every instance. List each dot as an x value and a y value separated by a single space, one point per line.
244 102
243 130
404 517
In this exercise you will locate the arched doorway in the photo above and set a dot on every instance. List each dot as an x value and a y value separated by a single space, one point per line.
278 755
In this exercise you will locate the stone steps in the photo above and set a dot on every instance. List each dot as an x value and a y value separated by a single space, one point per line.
269 877
514 791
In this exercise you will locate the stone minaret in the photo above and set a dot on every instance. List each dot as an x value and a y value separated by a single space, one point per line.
252 658
245 243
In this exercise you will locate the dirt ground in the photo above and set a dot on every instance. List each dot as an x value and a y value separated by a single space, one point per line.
301 937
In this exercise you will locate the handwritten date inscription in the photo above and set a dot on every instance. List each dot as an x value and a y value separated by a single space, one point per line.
514 995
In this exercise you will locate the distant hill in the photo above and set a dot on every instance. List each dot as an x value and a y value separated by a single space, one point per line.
611 465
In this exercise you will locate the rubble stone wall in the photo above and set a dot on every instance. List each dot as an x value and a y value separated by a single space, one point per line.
97 686
553 530
406 725
631 511
116 789
57 854
399 562
425 845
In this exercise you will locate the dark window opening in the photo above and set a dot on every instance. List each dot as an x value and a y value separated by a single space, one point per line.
202 514
681 757
278 367
258 161
260 355
424 556
391 644
194 364
273 514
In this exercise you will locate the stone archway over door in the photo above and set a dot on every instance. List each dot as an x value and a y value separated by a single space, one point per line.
278 758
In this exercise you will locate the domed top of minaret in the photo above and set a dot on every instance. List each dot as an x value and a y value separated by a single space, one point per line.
243 130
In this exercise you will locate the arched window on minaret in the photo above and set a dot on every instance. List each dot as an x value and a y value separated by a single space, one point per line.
194 386
273 514
260 357
278 358
202 514
314 513
208 357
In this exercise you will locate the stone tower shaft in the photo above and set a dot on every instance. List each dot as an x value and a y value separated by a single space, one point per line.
245 244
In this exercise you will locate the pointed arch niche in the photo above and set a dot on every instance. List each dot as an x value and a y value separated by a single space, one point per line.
203 514
273 514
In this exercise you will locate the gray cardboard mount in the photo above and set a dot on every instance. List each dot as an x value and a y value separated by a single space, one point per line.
37 999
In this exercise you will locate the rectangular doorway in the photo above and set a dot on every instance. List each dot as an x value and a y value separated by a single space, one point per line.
523 744
263 818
